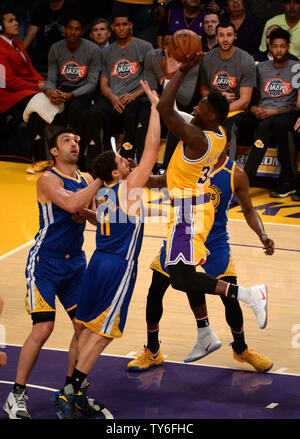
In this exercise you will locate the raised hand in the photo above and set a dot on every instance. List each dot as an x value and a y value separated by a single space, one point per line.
152 95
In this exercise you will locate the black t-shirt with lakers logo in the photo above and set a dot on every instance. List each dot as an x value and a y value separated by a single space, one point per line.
228 75
124 66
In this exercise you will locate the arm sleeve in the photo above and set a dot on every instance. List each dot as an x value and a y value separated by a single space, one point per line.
52 74
93 72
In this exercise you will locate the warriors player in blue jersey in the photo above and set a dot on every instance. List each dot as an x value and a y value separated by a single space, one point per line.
56 262
227 179
108 283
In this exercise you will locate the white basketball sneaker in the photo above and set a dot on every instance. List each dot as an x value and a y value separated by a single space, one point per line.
258 300
15 405
206 343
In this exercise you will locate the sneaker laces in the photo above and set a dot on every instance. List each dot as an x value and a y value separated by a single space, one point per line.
145 355
21 398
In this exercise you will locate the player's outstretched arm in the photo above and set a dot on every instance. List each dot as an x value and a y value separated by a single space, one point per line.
140 175
241 184
178 125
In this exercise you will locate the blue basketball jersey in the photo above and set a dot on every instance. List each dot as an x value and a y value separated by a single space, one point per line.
118 233
221 191
60 232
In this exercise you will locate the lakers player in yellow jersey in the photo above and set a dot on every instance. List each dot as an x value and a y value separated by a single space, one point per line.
201 142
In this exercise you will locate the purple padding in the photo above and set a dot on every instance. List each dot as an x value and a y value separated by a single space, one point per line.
170 391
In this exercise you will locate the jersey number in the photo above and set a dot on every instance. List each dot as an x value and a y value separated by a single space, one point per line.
104 224
205 174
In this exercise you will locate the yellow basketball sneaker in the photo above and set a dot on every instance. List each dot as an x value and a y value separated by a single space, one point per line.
259 361
145 360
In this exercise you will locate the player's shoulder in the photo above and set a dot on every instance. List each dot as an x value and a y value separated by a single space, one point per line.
240 176
244 56
47 179
87 177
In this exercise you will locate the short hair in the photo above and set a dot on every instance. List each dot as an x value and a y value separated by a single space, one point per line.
280 33
104 164
2 13
121 14
75 17
219 104
53 140
99 20
226 23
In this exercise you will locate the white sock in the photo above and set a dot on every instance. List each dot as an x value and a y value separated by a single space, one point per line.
204 332
243 294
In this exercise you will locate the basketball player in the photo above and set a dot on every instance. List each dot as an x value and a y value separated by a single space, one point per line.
226 179
108 283
192 211
56 262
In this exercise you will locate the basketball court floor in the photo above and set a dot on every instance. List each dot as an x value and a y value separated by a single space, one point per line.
216 387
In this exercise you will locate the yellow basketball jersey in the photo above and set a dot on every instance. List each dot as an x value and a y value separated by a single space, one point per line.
192 211
187 177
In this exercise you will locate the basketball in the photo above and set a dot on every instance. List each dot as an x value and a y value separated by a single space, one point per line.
184 42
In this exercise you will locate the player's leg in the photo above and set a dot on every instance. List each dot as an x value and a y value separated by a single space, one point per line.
151 354
185 278
207 341
68 296
103 302
234 319
15 405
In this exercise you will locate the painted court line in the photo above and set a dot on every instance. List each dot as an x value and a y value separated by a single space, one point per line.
272 405
17 249
31 385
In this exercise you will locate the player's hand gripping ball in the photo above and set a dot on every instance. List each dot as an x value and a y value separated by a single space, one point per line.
182 43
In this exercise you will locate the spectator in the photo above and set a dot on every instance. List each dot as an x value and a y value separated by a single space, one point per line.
145 15
229 70
264 56
100 32
210 23
263 10
248 28
22 82
273 113
121 97
188 16
22 11
73 74
46 28
158 67
3 356
214 6
290 21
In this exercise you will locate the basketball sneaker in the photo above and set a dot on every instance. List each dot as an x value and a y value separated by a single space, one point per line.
38 167
146 360
260 362
206 343
88 406
15 405
258 301
64 402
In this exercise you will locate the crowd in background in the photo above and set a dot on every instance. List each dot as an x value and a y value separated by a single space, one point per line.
79 63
